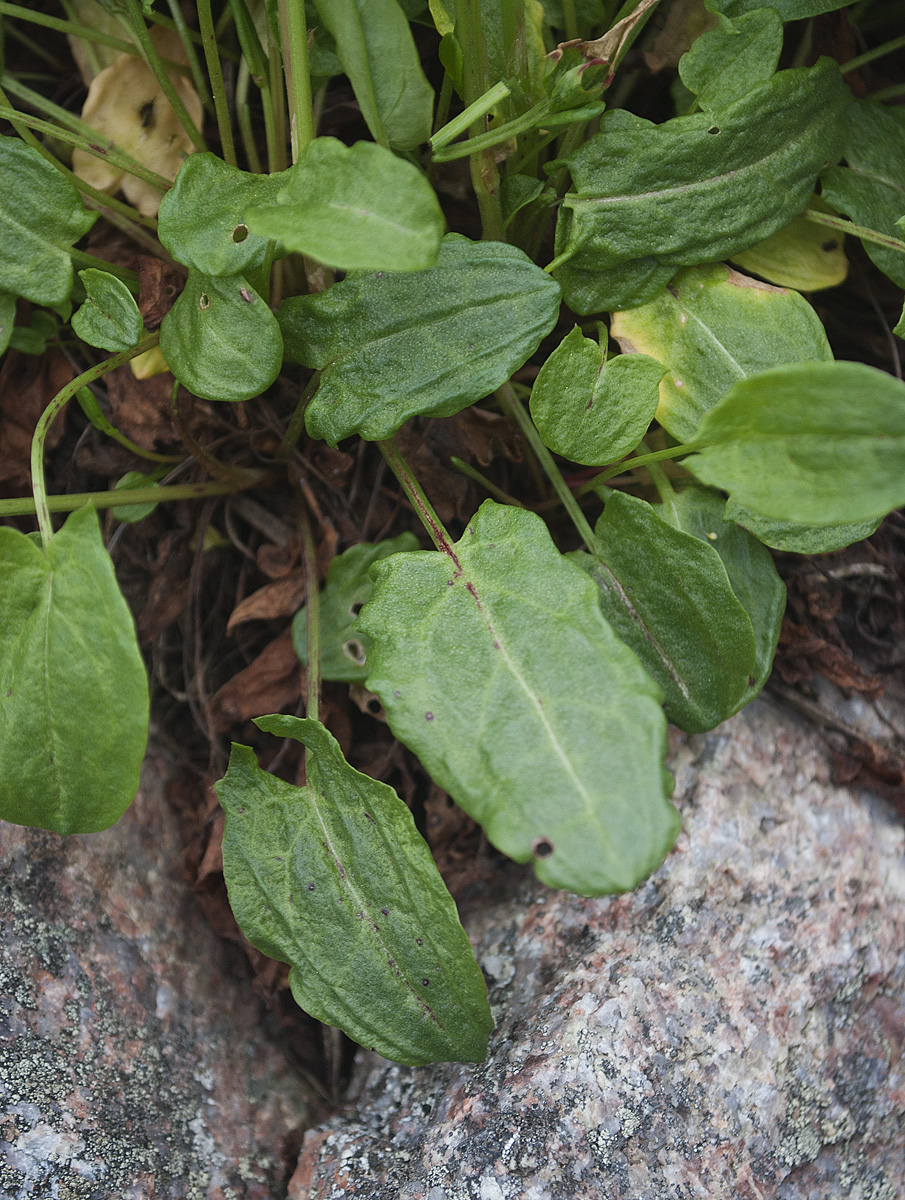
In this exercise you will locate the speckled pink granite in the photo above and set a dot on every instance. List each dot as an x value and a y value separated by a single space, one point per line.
133 1065
732 1029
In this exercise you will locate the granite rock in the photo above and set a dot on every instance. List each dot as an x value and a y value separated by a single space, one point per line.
733 1028
132 1060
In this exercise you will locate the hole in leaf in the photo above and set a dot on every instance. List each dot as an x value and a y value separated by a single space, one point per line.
146 113
829 247
714 129
204 301
355 609
240 233
542 847
374 706
355 650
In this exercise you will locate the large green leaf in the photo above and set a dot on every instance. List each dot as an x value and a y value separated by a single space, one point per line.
343 649
702 187
667 595
814 443
712 327
392 345
593 411
358 208
871 189
109 318
626 286
726 62
375 47
41 218
202 216
789 10
749 566
220 339
495 665
799 539
73 690
334 879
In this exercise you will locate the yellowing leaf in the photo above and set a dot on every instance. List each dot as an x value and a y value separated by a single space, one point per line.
801 255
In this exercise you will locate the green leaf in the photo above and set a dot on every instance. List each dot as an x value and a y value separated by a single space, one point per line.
109 318
131 514
375 47
220 339
789 10
496 667
712 327
358 208
202 216
348 586
7 318
393 345
801 255
589 410
750 568
73 690
799 539
32 338
726 62
334 879
626 286
814 443
41 218
667 595
871 189
702 187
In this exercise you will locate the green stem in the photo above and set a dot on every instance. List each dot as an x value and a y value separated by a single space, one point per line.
185 36
81 260
854 64
215 74
568 12
72 28
469 115
494 137
485 178
312 614
859 231
888 93
296 424
660 478
52 411
516 410
298 76
435 528
487 484
100 147
93 412
629 464
148 495
274 109
152 58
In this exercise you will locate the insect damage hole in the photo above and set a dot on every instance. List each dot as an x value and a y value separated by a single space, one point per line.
204 301
355 650
542 847
240 233
714 129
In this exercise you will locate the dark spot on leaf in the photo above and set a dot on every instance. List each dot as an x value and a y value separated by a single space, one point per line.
146 112
247 295
360 916
380 275
496 644
370 818
241 810
714 129
277 858
204 301
374 706
240 233
828 247
751 681
385 911
100 150
428 716
311 887
9 693
376 928
391 962
542 847
426 982
450 583
397 694
355 609
419 941
355 650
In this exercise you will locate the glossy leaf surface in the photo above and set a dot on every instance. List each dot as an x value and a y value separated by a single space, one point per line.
343 649
41 218
871 189
73 690
818 444
202 217
701 187
496 667
726 62
712 327
799 539
749 566
667 595
334 879
392 345
591 411
220 339
375 46
109 318
358 208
